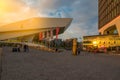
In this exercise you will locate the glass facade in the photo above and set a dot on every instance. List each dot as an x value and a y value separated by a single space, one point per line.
108 10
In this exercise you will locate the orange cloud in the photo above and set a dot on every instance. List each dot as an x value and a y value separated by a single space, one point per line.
14 10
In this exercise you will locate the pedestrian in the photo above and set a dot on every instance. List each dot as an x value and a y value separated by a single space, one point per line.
25 47
18 47
56 49
78 50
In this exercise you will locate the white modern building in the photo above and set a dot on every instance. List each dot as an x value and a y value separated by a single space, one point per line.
26 29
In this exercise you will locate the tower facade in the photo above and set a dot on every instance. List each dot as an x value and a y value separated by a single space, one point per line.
109 16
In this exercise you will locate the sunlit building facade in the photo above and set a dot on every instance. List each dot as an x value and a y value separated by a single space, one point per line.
109 16
108 26
101 41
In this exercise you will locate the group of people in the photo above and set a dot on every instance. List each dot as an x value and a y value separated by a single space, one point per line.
18 48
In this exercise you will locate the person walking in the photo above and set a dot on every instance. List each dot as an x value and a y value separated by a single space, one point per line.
18 48
25 48
78 50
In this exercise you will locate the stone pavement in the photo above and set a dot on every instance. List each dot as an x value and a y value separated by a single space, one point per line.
0 61
41 65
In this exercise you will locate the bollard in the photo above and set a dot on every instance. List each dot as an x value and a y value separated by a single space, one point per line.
74 49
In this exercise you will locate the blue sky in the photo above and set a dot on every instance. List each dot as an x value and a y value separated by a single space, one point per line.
83 12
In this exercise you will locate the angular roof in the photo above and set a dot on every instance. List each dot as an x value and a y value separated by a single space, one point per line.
36 23
33 26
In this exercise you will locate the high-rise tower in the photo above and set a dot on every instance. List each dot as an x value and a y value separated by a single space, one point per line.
109 16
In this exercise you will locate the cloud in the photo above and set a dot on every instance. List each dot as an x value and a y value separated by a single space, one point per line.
14 10
83 12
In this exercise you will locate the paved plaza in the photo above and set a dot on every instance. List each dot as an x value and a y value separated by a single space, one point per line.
41 65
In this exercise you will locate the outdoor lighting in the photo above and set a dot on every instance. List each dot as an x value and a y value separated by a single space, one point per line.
95 43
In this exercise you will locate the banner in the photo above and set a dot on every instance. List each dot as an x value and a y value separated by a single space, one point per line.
43 35
57 31
40 36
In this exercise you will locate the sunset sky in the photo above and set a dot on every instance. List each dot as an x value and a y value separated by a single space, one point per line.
83 12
